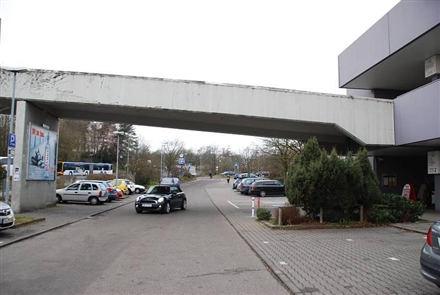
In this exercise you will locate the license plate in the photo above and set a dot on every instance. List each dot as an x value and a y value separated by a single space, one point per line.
7 220
147 205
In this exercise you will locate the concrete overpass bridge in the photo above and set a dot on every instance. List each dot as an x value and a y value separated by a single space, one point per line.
45 96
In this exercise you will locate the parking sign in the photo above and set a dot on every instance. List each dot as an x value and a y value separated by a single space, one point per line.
11 140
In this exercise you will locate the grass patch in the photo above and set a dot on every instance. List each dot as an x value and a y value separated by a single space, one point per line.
24 219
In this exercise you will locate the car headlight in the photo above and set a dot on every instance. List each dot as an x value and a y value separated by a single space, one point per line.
138 198
160 200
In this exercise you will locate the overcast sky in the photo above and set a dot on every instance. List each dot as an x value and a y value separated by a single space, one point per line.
290 44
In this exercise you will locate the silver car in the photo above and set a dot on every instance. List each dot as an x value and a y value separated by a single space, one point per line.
91 192
7 217
430 255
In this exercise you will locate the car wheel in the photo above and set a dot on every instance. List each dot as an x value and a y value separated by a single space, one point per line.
263 194
94 201
58 199
130 192
138 211
137 191
184 205
167 208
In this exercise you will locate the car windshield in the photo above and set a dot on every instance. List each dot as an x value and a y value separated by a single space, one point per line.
158 190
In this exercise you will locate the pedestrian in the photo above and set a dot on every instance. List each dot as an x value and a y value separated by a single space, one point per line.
228 178
424 195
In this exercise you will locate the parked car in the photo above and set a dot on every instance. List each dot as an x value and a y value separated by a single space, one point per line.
161 198
130 186
170 181
245 183
7 217
236 183
122 185
139 189
430 255
111 190
226 173
119 194
262 173
85 191
247 175
267 187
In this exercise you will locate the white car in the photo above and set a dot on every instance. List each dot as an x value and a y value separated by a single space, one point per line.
7 217
91 192
138 189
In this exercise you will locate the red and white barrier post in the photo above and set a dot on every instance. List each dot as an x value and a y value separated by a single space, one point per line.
253 207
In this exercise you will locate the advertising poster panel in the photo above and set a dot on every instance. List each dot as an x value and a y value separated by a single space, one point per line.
42 153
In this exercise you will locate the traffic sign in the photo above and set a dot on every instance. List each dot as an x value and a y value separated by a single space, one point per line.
181 161
11 152
11 140
236 164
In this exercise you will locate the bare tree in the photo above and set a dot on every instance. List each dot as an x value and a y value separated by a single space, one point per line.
281 151
171 152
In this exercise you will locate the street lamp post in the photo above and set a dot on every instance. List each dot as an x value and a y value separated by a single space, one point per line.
11 126
117 153
161 162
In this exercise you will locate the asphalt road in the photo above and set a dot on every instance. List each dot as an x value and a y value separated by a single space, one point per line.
196 251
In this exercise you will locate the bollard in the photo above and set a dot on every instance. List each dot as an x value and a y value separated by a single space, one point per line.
258 203
253 207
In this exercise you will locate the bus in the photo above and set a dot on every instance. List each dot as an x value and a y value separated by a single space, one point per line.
83 168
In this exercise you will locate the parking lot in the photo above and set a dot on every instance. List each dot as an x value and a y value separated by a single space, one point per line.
380 260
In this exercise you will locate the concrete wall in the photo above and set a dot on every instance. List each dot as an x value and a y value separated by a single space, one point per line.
367 120
30 195
417 114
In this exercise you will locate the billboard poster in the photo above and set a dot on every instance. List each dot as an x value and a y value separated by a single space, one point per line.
42 153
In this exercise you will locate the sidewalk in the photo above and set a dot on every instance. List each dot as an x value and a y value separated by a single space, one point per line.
47 219
421 226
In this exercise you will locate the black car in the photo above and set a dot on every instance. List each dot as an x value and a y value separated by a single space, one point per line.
245 183
267 187
162 198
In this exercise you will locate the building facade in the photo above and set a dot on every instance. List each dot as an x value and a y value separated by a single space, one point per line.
398 58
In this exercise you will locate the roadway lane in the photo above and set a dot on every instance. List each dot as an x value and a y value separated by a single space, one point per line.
195 251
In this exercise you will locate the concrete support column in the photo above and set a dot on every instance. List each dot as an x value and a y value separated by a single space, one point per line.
30 194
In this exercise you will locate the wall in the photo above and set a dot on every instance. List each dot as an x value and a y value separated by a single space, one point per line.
406 169
30 195
416 114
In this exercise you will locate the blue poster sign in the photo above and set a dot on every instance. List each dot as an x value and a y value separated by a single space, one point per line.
42 153
181 161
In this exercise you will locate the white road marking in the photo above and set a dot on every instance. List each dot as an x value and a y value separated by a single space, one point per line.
350 240
392 258
233 204
283 263
266 242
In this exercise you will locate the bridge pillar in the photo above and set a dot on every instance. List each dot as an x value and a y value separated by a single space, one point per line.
28 194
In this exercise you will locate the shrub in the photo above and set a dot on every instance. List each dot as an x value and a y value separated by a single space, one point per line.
263 214
395 208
